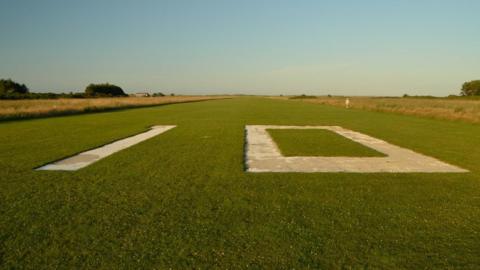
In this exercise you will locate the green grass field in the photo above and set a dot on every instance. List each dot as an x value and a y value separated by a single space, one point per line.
183 200
318 142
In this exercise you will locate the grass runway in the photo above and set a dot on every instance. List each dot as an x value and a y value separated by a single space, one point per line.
183 200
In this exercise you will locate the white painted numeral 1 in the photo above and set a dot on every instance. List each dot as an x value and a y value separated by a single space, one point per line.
88 157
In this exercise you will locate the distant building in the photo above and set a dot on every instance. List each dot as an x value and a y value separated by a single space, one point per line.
141 95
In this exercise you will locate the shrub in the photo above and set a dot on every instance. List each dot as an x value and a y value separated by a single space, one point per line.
104 90
9 87
302 96
471 88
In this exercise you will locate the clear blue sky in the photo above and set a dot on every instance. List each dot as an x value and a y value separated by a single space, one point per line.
384 47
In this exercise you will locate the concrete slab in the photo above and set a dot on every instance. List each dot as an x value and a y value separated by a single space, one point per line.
88 157
263 155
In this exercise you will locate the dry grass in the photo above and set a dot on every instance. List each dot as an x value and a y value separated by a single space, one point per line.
440 108
14 109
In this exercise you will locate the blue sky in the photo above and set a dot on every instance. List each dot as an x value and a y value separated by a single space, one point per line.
244 46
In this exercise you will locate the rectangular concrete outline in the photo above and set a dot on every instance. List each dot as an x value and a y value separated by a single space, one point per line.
89 157
263 155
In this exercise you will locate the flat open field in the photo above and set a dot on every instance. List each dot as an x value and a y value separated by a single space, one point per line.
29 108
183 199
463 109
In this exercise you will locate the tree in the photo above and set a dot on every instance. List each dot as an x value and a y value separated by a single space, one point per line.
471 88
104 90
10 87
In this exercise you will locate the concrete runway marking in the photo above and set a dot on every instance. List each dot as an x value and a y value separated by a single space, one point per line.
263 155
88 157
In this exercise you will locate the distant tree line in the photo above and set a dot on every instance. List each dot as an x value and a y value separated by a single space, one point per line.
10 89
42 95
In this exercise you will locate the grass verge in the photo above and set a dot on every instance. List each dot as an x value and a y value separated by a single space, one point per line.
463 109
36 108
